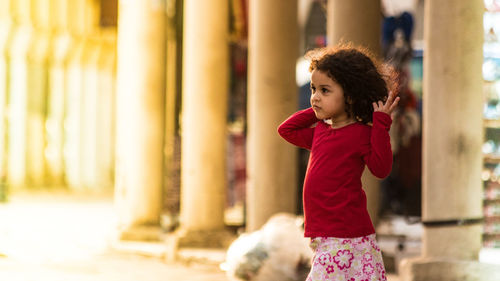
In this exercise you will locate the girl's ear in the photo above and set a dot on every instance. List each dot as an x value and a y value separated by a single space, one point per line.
349 100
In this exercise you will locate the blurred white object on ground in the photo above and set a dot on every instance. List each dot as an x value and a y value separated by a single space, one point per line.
278 251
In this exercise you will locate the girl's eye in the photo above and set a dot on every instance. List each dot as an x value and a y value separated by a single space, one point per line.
324 90
313 89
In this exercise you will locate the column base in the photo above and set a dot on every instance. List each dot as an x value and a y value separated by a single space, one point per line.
213 239
141 233
443 269
204 238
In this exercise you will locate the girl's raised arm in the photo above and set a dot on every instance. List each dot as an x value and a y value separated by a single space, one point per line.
297 128
379 157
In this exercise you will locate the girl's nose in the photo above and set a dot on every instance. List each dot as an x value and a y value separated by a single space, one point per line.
314 97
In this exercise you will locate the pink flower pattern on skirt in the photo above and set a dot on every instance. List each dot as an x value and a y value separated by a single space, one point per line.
343 259
325 259
367 258
353 259
368 269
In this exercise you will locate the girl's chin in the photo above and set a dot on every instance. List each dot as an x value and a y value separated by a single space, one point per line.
320 116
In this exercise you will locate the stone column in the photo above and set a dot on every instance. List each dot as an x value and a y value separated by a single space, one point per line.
140 118
93 101
5 29
73 91
172 112
81 15
38 56
452 126
358 21
204 123
90 113
272 97
106 114
452 139
17 91
55 100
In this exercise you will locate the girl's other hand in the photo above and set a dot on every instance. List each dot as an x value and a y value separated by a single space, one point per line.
389 105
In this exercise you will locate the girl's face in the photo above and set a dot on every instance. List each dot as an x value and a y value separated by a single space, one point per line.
327 97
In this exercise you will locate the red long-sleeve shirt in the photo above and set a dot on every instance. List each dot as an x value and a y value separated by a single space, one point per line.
334 201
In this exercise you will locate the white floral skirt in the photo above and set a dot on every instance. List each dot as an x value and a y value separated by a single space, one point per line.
347 259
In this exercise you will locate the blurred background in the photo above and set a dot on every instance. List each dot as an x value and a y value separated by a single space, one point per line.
155 122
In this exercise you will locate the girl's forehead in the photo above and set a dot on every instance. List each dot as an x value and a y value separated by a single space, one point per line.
320 76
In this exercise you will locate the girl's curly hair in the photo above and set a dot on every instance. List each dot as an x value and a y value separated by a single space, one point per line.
363 78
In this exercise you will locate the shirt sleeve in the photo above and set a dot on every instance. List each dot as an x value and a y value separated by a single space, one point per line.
378 157
297 128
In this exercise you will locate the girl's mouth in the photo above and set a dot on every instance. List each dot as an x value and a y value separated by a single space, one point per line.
315 107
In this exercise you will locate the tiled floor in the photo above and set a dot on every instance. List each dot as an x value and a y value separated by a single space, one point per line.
60 238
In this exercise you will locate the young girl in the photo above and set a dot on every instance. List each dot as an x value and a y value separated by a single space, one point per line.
346 128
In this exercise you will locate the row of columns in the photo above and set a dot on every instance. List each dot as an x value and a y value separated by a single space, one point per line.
57 72
204 114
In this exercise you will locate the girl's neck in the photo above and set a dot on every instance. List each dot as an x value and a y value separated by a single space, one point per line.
339 123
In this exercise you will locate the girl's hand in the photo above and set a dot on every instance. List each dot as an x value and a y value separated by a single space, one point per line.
389 105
